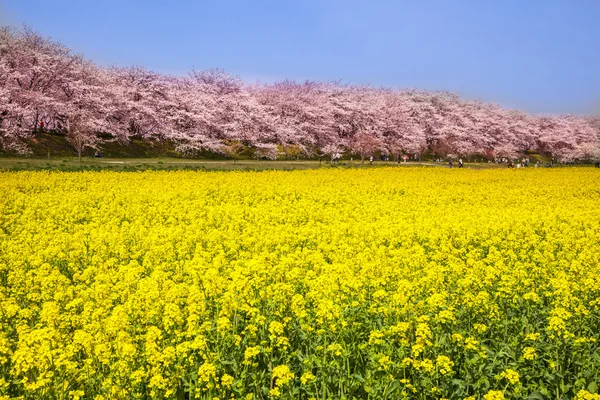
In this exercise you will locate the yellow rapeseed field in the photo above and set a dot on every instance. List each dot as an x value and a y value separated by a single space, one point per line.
323 284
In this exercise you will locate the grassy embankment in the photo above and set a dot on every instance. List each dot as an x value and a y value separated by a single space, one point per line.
53 152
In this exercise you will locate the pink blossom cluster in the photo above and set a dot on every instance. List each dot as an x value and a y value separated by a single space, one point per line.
44 86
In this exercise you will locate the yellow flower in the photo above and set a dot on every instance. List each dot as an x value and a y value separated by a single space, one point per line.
276 328
376 337
250 353
494 395
471 343
585 395
223 325
444 365
529 353
307 378
282 375
511 376
109 280
384 362
424 365
207 372
532 336
335 348
76 394
227 380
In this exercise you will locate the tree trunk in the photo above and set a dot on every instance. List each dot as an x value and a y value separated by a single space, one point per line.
79 154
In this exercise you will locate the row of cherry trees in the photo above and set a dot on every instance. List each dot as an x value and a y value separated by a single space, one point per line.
44 86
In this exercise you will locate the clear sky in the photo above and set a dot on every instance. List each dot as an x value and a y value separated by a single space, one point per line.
541 56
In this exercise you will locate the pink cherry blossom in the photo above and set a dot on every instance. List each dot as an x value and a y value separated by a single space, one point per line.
44 86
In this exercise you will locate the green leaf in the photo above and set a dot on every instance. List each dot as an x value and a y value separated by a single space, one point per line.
458 382
592 387
536 396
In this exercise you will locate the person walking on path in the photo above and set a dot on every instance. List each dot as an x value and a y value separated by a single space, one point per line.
371 160
460 163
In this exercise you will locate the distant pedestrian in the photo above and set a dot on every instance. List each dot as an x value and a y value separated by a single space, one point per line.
371 160
450 163
460 163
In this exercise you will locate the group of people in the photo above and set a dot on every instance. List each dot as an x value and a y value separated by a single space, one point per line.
386 157
460 163
522 163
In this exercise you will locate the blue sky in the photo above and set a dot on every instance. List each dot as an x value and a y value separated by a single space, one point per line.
542 56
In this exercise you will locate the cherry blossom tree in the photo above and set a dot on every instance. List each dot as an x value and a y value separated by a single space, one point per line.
333 150
268 151
35 81
80 135
364 144
45 87
143 100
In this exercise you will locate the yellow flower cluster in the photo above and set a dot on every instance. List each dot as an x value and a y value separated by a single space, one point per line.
494 395
529 353
444 365
333 283
585 395
511 376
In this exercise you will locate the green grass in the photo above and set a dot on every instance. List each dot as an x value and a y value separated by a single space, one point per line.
52 152
141 164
